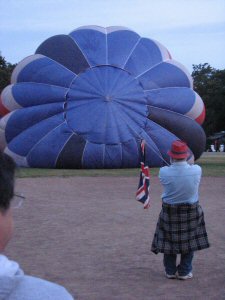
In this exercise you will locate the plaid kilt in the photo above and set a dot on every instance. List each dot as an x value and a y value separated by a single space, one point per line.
180 229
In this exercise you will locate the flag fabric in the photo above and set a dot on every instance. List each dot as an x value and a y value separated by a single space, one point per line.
142 194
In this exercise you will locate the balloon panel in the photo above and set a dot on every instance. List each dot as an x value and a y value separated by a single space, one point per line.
163 75
180 100
120 46
93 156
36 94
70 156
92 44
22 143
42 70
55 147
25 119
61 48
151 55
185 129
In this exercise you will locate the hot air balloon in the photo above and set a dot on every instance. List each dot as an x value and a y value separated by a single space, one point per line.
87 99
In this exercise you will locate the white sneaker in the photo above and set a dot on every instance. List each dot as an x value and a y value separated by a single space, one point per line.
171 276
188 276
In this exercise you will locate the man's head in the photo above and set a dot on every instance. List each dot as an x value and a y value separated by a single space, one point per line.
179 151
7 171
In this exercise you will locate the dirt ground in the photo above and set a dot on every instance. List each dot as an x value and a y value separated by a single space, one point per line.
91 235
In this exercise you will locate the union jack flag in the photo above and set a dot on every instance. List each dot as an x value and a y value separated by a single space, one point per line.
142 194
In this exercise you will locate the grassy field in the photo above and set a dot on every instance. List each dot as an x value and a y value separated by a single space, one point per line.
213 164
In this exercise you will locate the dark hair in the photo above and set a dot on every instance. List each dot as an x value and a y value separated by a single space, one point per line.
7 172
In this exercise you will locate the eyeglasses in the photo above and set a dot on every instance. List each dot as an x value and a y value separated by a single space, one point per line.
17 200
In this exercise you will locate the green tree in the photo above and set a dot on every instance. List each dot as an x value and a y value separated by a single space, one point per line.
5 72
209 83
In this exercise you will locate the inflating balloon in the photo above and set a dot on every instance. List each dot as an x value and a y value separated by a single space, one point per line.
87 99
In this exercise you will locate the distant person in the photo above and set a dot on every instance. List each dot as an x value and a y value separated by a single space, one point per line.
181 226
216 145
221 148
14 284
212 147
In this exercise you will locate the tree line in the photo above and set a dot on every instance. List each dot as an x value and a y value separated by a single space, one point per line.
6 69
209 83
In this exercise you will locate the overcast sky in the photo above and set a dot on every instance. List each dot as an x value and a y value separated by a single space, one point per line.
192 30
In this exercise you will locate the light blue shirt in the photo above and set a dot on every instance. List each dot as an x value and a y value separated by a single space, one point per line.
180 182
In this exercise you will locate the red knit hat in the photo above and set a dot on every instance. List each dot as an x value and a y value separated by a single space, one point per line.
179 150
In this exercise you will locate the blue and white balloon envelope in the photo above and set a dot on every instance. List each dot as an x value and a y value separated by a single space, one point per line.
85 100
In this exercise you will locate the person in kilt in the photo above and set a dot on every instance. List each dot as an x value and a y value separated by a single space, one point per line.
181 227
